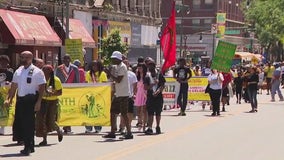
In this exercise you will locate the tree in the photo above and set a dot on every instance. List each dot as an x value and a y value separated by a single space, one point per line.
112 43
267 20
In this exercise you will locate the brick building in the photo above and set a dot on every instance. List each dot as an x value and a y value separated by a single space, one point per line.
194 20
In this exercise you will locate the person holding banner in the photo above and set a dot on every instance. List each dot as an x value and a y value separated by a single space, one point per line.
120 101
46 117
215 79
67 73
95 75
182 74
5 78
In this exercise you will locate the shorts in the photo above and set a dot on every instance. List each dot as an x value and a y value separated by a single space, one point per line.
119 105
130 105
154 106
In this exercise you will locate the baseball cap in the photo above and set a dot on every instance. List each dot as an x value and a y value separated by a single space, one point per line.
117 55
77 62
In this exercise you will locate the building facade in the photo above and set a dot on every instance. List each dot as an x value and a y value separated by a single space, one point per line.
139 21
194 21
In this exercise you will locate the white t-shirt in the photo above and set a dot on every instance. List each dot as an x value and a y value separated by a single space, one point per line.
122 88
216 84
132 79
35 76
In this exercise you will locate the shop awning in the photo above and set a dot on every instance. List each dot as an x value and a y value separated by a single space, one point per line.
78 31
26 29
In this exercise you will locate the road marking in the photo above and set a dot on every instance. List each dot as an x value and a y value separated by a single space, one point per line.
165 137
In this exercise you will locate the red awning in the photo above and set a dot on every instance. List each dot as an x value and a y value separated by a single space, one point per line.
27 29
78 31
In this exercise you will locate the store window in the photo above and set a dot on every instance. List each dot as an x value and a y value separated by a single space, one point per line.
196 4
207 21
208 4
196 22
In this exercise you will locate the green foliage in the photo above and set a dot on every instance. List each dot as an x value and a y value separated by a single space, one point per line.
112 43
267 20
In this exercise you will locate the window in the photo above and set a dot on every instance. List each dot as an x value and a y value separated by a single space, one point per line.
196 4
207 21
208 4
196 22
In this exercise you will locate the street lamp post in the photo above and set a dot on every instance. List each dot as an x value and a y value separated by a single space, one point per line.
181 9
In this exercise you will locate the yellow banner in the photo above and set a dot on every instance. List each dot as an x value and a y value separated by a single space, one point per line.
6 113
79 105
196 89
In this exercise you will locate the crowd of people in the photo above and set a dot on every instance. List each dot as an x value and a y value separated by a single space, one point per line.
37 87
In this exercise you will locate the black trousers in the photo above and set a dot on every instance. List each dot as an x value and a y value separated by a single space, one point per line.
24 123
182 96
215 96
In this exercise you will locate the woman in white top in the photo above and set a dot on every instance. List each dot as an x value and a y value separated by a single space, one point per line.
215 79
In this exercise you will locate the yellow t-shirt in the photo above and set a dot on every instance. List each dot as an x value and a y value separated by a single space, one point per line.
269 71
99 79
57 85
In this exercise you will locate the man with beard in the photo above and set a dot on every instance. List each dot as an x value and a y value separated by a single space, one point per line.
29 82
67 73
5 76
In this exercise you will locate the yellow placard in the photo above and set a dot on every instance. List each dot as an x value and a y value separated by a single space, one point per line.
74 47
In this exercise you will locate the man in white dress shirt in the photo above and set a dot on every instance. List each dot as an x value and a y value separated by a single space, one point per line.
29 82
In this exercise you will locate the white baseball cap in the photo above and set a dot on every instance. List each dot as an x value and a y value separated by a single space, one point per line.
117 55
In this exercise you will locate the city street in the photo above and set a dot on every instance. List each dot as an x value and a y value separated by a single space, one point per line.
235 135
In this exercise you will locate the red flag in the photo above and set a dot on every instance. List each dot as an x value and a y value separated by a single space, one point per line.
168 41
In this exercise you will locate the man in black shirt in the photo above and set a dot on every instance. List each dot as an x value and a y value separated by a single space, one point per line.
182 74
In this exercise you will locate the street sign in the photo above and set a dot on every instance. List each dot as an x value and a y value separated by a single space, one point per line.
232 32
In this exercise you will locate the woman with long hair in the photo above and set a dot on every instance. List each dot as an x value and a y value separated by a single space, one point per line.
141 96
252 88
95 75
46 117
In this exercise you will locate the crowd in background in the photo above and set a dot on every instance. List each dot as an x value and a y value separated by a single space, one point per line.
136 91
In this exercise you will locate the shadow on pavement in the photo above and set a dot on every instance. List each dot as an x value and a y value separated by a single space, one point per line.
12 155
110 140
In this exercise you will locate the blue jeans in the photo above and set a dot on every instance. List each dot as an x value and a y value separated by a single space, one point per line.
252 98
275 87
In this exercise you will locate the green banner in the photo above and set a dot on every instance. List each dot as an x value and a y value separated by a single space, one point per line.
222 60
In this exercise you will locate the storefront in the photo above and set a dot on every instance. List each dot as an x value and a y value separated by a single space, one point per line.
21 31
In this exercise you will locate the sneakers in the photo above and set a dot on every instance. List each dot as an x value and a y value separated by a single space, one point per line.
273 100
110 135
158 130
127 136
181 114
88 131
43 143
149 131
281 99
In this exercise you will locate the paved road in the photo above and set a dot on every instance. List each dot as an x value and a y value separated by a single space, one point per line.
235 135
